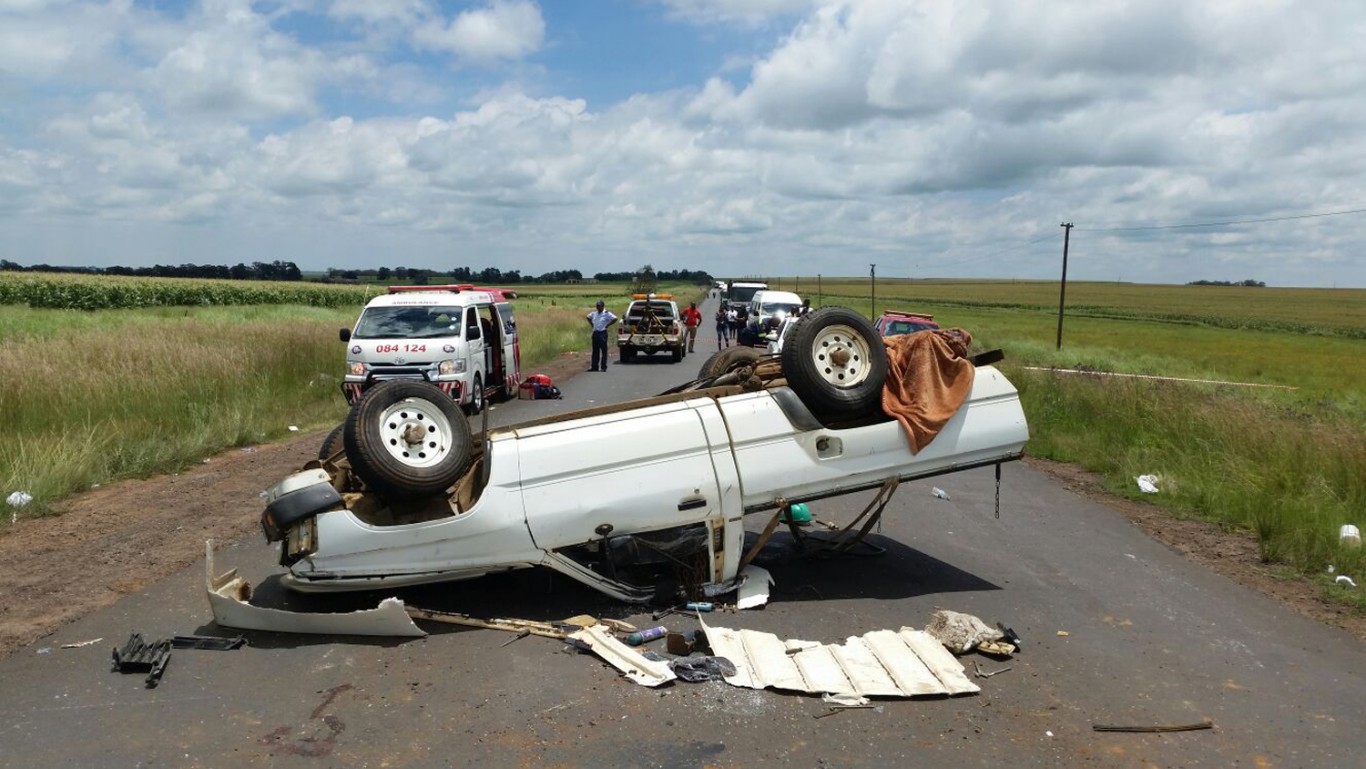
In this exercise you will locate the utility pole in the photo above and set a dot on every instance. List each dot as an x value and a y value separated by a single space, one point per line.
872 291
818 289
1062 292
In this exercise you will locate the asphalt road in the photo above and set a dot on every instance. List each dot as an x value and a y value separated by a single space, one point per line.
1149 639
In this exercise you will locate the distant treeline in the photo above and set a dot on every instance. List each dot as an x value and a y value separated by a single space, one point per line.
289 271
256 271
493 276
1248 283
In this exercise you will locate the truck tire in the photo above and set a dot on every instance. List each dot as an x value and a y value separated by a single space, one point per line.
677 354
407 439
628 355
333 442
477 395
835 361
727 359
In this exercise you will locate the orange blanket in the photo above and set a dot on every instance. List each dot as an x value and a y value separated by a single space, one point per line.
928 378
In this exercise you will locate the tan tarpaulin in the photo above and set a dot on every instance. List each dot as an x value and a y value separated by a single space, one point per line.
928 378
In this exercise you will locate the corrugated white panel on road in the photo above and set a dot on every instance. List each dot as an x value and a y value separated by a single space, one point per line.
882 663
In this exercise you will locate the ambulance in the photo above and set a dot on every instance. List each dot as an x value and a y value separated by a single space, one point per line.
461 338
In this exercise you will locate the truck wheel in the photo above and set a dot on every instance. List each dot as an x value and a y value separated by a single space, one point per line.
677 354
726 360
628 355
477 395
408 439
333 442
835 361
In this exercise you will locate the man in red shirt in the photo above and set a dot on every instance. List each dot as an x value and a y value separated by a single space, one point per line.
692 318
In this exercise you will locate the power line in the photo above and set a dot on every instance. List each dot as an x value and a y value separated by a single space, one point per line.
1221 224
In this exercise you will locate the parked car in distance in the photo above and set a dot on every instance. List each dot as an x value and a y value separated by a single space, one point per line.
897 322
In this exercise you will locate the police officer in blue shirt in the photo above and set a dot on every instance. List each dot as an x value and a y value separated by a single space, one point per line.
600 320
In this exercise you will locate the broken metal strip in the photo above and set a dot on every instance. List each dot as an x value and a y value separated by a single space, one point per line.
770 661
911 674
624 658
820 668
864 669
940 662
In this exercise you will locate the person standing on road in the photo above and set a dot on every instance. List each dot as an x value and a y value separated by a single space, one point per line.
600 320
722 329
692 318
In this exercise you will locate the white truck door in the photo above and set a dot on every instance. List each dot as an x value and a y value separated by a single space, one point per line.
633 471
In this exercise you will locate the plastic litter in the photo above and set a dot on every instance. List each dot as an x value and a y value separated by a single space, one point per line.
939 493
17 500
294 428
1349 536
1147 484
1343 579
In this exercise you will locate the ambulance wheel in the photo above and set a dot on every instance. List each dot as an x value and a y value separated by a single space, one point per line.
408 439
835 361
333 442
477 395
727 360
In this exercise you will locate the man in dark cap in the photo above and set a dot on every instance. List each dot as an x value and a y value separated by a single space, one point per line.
600 320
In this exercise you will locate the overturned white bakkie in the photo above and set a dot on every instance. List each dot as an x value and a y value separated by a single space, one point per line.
623 498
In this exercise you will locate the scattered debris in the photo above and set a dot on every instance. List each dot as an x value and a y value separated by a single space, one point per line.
939 493
80 644
1206 724
1011 636
294 428
1063 633
1147 483
905 663
523 633
701 669
229 595
681 644
644 636
249 450
976 666
208 642
645 672
754 589
996 648
841 708
960 633
45 650
138 656
16 500
532 627
1349 536
1343 579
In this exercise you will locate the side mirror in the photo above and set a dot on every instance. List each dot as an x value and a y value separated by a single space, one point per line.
345 335
471 333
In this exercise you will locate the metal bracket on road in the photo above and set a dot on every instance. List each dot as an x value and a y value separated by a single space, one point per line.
138 656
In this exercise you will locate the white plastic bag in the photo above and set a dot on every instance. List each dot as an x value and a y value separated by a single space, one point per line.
1147 484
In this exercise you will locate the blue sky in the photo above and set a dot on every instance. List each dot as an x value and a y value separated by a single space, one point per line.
737 136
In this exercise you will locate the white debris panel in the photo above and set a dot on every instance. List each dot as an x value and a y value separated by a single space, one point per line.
229 595
624 658
882 663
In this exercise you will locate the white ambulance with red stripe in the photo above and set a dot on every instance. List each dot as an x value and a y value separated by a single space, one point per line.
461 338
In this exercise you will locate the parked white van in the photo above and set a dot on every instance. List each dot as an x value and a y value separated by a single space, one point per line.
461 338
